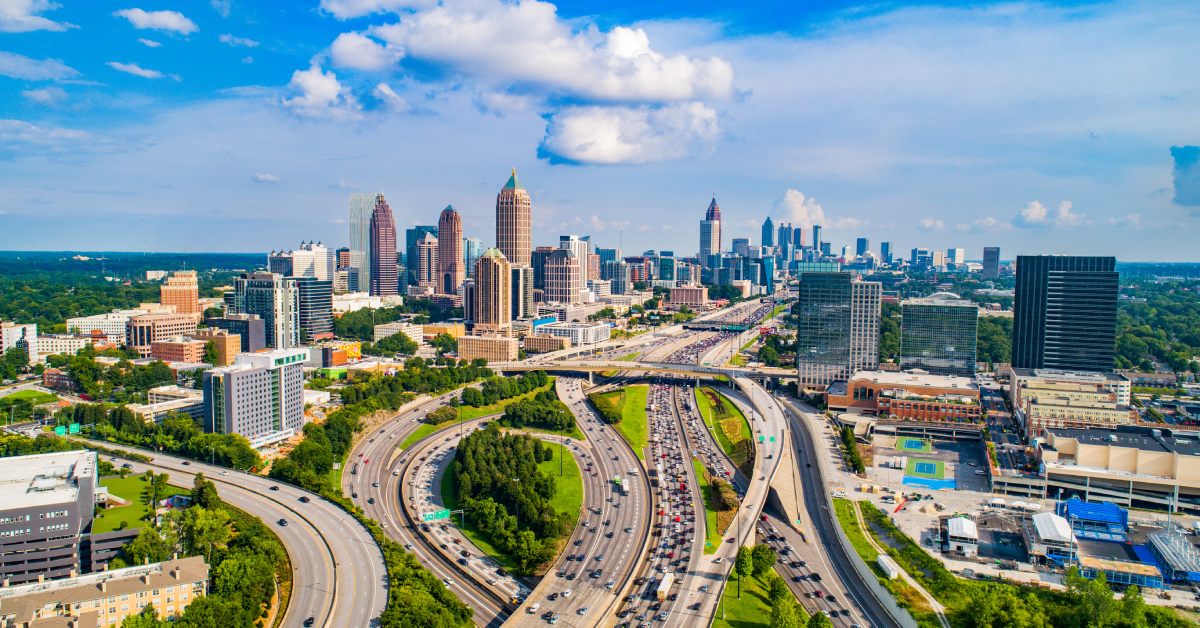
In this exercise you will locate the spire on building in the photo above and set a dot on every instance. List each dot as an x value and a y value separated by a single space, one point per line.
512 181
714 210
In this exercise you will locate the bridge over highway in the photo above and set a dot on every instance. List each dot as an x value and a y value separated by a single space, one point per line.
653 368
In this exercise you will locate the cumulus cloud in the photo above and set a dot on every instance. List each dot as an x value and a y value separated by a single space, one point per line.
265 177
1035 214
359 52
149 43
1186 175
21 16
385 94
170 21
499 102
137 70
932 224
318 94
234 40
45 96
346 9
799 210
1065 217
526 44
628 135
989 223
21 67
223 7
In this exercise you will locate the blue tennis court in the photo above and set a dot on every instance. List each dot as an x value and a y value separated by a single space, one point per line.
928 468
914 444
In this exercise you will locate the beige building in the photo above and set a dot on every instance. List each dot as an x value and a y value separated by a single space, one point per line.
427 262
178 349
563 277
142 331
490 348
228 345
182 290
105 598
1044 398
540 343
514 223
695 297
492 304
451 269
454 330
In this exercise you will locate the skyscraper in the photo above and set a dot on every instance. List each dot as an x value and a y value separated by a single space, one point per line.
991 262
741 246
816 239
451 271
312 259
514 222
1065 312
275 299
361 207
384 273
315 301
580 248
411 236
956 256
522 292
938 334
710 232
562 277
492 305
885 252
797 239
862 245
785 241
181 290
427 261
472 250
838 330
768 232
539 257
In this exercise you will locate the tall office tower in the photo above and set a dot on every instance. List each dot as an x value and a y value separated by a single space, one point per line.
921 258
862 245
492 310
593 266
956 256
522 292
608 255
938 334
741 246
578 247
275 299
710 232
451 271
786 234
616 273
361 208
768 232
838 327
316 309
310 260
666 268
539 257
1065 312
514 222
260 396
427 261
411 236
885 252
280 263
563 283
991 262
826 248
58 486
181 289
472 250
816 239
342 257
385 280
797 239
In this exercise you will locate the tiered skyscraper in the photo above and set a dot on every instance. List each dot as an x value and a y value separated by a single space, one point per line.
768 232
181 290
710 232
384 273
451 270
514 222
493 294
1065 313
427 261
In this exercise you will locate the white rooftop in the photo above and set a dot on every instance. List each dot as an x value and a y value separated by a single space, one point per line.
45 479
1051 527
963 528
917 378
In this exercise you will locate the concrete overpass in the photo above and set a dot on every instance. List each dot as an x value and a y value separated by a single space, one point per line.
652 368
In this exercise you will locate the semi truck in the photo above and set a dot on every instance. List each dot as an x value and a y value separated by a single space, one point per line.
664 587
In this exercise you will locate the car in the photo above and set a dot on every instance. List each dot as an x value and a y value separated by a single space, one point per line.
370 500
375 484
704 588
408 546
354 495
187 463
553 619
310 622
447 582
582 610
816 577
224 473
304 499
718 560
610 584
571 576
283 522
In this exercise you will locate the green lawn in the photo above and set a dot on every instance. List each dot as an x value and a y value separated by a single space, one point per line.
36 397
752 609
712 538
728 426
466 413
634 425
938 473
130 488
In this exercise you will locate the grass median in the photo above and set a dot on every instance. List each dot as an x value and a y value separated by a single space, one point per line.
630 403
712 535
752 609
728 425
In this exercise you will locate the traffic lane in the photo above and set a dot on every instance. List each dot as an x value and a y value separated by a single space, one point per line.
805 571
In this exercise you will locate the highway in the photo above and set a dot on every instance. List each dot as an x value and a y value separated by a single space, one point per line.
339 577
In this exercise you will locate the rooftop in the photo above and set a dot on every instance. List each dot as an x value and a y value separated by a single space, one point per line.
1083 377
962 527
44 479
1135 437
918 378
1052 527
1104 564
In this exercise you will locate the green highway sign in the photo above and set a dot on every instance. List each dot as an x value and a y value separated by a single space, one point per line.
73 428
760 439
60 430
436 515
772 439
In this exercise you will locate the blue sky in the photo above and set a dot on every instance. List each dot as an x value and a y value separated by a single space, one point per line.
243 126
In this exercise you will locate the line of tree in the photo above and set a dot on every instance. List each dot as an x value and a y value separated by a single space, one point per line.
607 405
123 382
850 451
398 342
506 497
495 389
360 324
418 376
178 434
543 411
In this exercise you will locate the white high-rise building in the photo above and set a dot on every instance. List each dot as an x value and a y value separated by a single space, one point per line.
260 396
580 248
310 260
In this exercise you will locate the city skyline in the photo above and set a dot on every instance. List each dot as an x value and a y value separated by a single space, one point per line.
148 149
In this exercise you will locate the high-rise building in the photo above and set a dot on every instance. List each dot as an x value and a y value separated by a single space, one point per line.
522 292
938 334
593 266
316 309
25 336
885 252
786 234
616 272
275 299
861 246
144 330
539 257
514 222
384 273
260 396
411 237
1065 313
342 257
838 330
710 233
741 246
991 262
580 248
49 503
472 250
428 248
181 290
768 232
816 237
956 256
798 239
250 329
450 251
608 255
362 205
563 281
666 268
493 294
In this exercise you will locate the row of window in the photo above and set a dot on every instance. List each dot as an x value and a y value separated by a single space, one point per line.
11 533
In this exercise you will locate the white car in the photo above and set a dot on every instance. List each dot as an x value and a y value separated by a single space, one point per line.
533 608
566 593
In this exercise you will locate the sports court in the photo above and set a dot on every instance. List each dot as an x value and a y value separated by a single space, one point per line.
918 445
927 473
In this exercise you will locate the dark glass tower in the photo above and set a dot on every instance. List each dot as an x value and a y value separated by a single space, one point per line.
316 308
1065 312
768 232
823 336
384 273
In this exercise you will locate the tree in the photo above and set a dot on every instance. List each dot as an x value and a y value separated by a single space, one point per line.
819 620
204 493
763 558
777 589
147 618
444 343
210 352
151 545
1094 603
205 531
784 614
743 565
156 487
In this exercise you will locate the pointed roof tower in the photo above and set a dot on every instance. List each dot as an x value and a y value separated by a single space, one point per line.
714 211
512 181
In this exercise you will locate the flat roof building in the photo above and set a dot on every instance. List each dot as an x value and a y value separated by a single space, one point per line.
1046 398
1065 312
908 396
142 331
260 396
580 334
490 348
47 502
938 334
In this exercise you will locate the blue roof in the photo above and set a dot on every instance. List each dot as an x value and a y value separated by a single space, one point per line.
1101 512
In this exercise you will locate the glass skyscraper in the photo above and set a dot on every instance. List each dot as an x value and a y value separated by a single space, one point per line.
838 331
411 236
1065 312
361 207
938 335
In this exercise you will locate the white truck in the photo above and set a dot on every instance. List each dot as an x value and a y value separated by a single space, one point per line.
664 587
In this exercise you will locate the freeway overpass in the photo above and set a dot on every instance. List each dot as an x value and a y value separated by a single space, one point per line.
653 368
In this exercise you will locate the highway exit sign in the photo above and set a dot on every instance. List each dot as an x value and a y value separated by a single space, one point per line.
436 515
760 439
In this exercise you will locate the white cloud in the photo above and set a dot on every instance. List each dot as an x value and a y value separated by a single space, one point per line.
526 44
149 43
389 97
624 135
22 132
137 70
234 40
1128 220
1032 215
1035 214
21 67
346 9
359 52
171 21
989 223
319 95
799 210
932 224
265 177
46 95
21 16
499 102
1067 218
223 7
